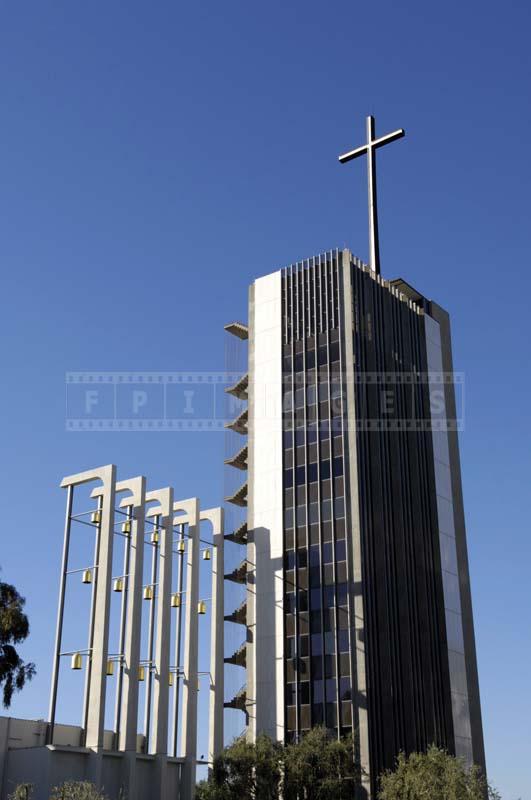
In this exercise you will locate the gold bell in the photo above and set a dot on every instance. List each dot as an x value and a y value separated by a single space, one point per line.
155 537
126 526
170 679
118 585
201 607
141 673
77 661
176 600
148 593
206 555
86 576
110 667
181 546
96 517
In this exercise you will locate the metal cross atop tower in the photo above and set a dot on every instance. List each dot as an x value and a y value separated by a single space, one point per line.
370 148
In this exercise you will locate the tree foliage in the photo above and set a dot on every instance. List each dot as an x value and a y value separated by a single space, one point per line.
320 767
317 768
433 774
14 628
77 790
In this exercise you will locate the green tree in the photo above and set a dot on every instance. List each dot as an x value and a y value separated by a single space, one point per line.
14 628
24 791
77 790
435 774
320 767
244 770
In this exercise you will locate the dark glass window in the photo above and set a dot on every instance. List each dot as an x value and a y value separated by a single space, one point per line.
303 600
312 473
317 691
290 646
344 689
339 507
342 641
304 646
329 596
289 603
315 599
304 692
315 576
341 550
342 594
288 438
327 553
325 469
338 467
314 555
302 558
330 690
315 622
289 560
317 644
290 694
300 475
288 478
313 512
301 515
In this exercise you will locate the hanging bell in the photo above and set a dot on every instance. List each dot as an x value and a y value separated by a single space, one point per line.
148 593
110 667
118 585
86 577
201 607
206 555
181 546
176 600
155 537
96 517
126 526
170 679
141 673
77 661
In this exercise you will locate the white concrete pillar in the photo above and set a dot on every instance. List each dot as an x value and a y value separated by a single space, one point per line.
216 699
159 740
97 685
189 704
131 656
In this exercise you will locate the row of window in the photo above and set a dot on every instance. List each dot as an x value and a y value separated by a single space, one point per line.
311 395
311 472
310 513
321 691
323 357
314 430
319 596
316 555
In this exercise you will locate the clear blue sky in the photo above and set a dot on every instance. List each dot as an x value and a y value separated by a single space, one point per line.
156 158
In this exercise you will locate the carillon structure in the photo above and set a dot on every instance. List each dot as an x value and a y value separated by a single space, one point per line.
159 536
358 606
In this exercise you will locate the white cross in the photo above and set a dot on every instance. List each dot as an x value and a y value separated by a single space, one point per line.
370 148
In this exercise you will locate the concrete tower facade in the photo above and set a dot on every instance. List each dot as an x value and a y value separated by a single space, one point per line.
359 613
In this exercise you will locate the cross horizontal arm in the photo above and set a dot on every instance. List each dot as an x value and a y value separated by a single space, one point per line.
388 138
359 151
